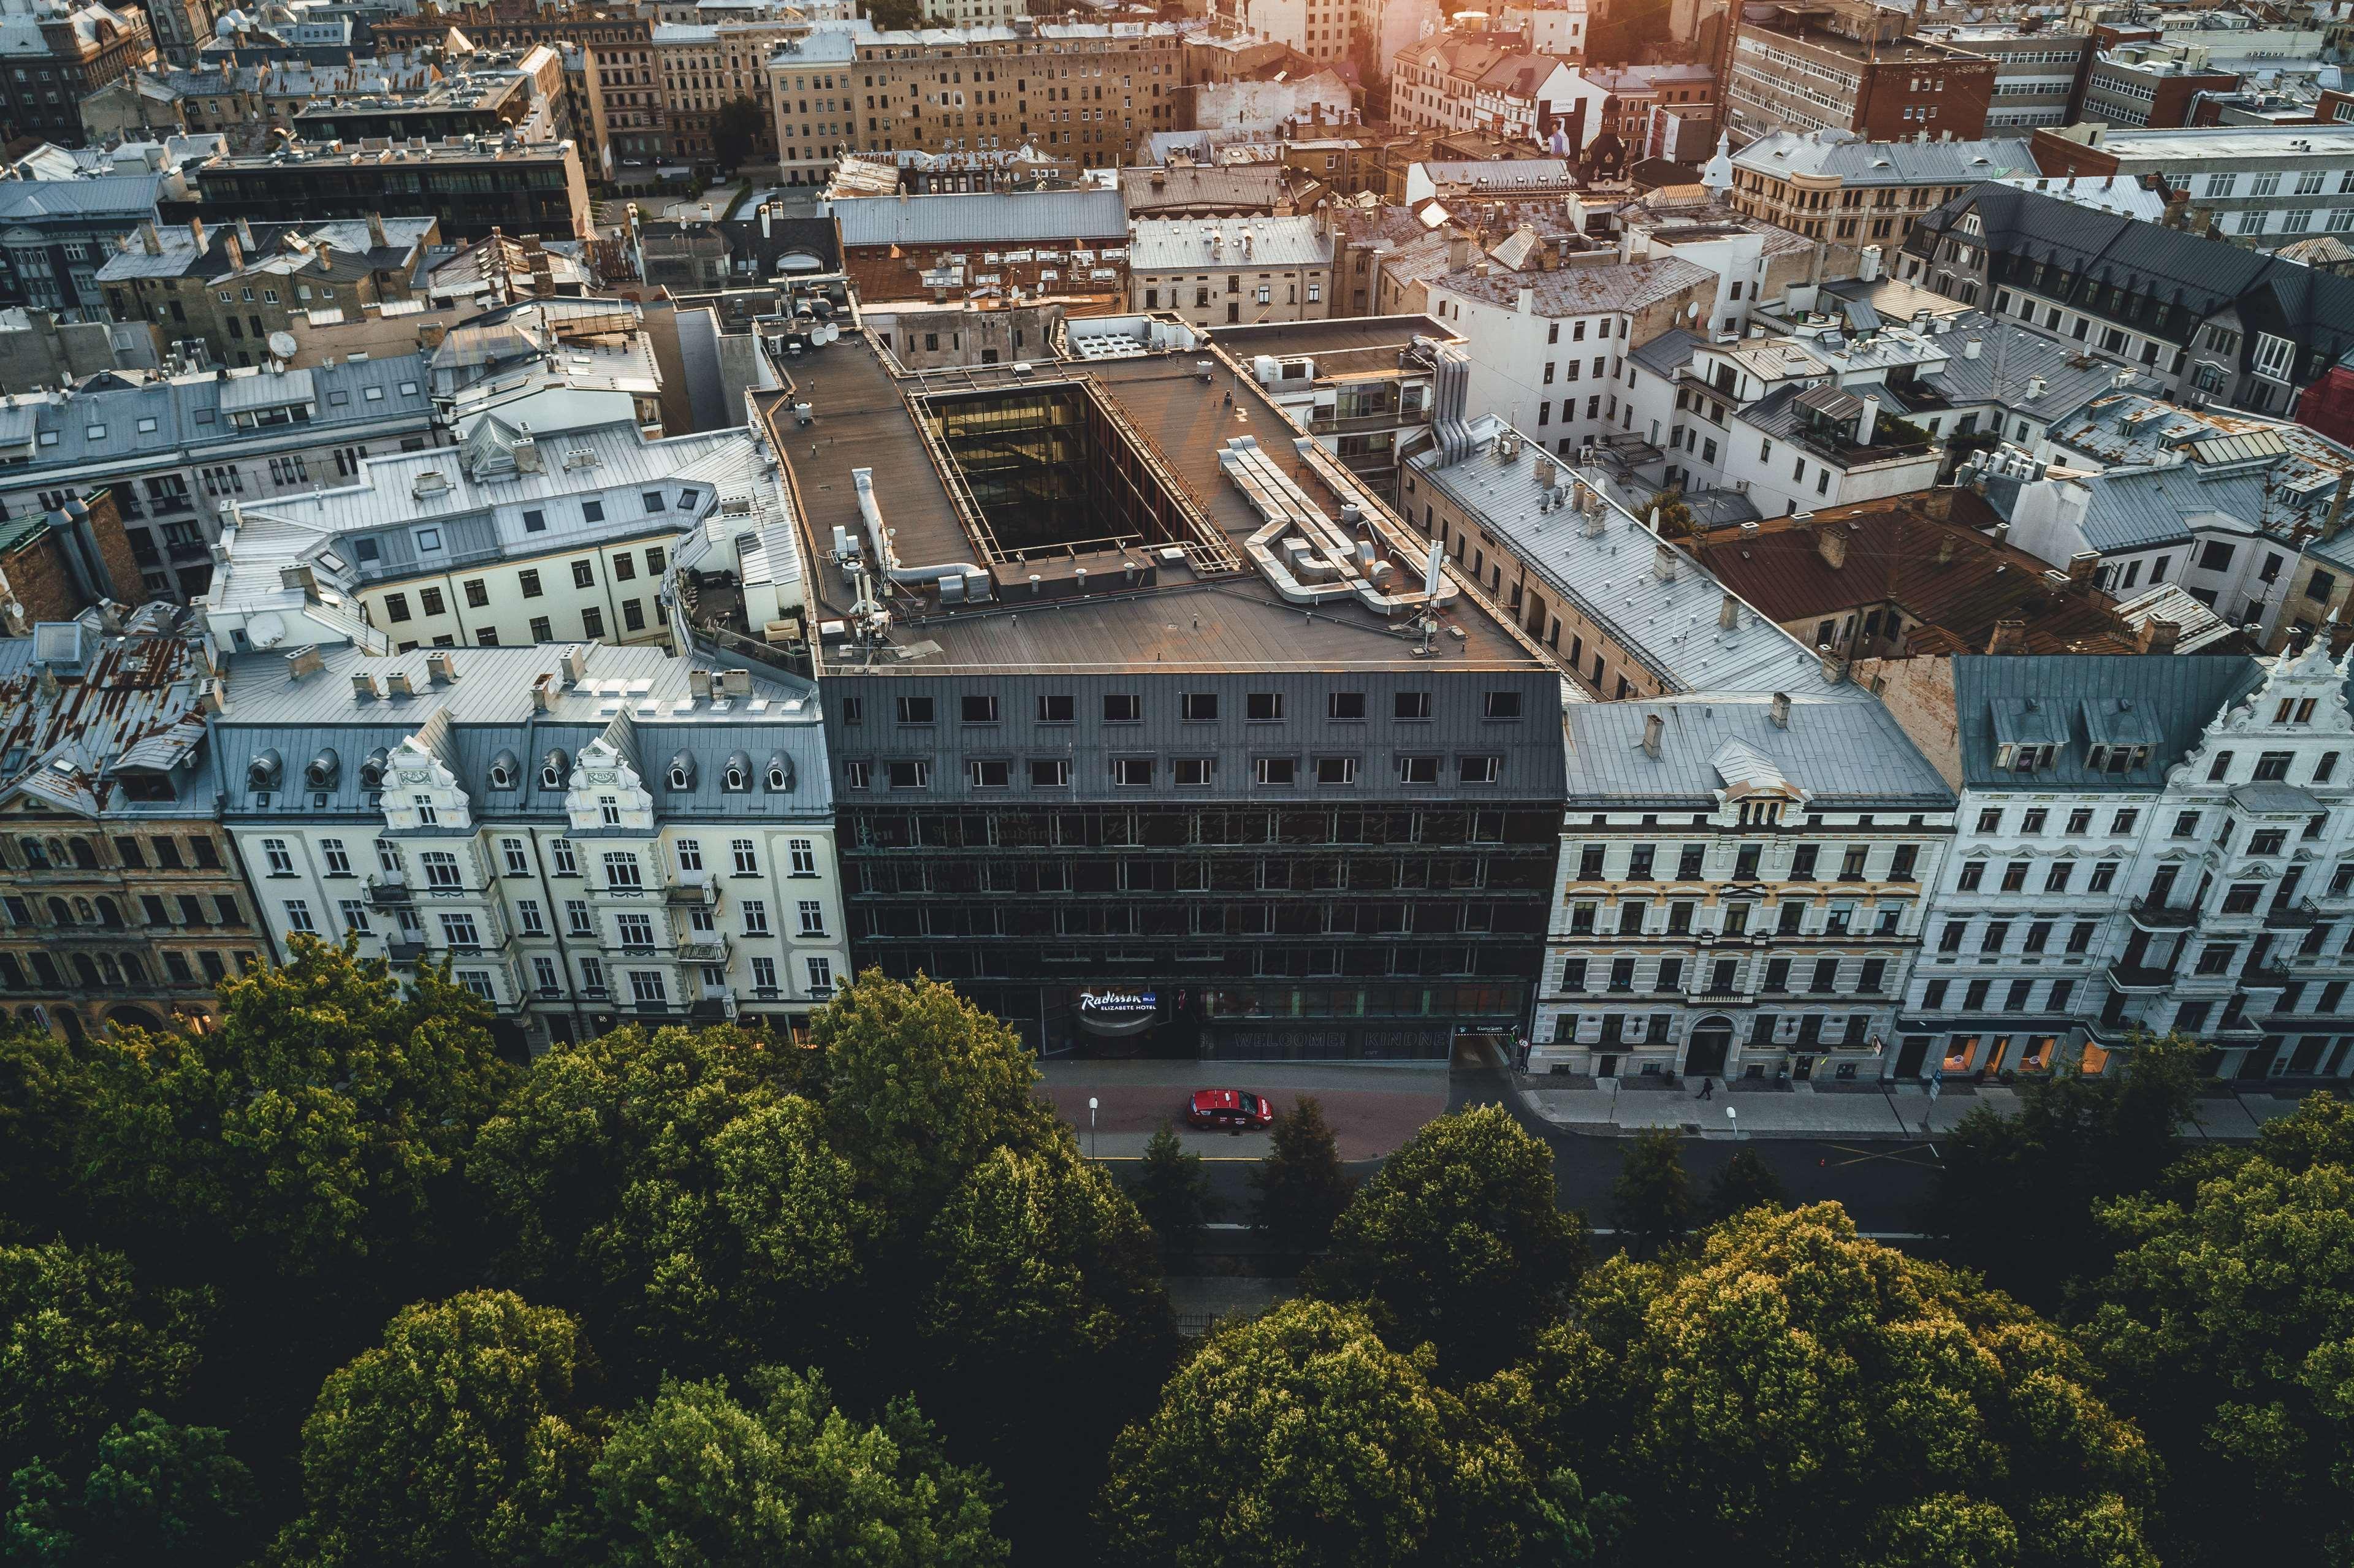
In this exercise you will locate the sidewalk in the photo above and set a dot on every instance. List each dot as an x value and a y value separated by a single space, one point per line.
1612 1108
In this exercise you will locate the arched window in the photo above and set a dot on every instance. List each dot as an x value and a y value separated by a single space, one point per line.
36 857
86 970
58 914
83 856
108 915
134 974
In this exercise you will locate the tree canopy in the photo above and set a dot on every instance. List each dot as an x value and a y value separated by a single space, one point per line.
1651 1197
82 1348
1458 1242
1173 1193
464 1437
1795 1394
1301 1186
2226 1325
783 1479
1300 1439
152 1493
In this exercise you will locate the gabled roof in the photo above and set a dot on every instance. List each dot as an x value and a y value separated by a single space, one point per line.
1840 754
982 217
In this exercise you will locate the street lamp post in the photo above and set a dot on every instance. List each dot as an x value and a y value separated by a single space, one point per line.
1092 1103
1733 1117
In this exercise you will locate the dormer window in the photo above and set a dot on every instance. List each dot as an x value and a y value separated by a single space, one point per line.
552 770
2023 759
427 814
322 772
739 773
504 770
682 771
780 773
262 772
372 771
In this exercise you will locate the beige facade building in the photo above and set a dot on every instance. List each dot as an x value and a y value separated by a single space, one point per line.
1229 272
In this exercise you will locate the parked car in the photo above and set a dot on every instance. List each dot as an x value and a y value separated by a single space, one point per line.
1237 1109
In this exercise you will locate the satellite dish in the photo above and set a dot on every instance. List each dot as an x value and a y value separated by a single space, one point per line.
266 629
283 345
1691 309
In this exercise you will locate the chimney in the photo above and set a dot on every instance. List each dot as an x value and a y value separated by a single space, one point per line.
197 233
304 660
363 686
2081 566
698 683
245 234
542 693
1867 421
233 249
400 684
1834 664
1971 349
2009 636
149 239
2335 518
1779 710
377 239
2001 534
1830 544
1946 549
1728 614
1653 726
2158 636
1663 563
441 667
576 665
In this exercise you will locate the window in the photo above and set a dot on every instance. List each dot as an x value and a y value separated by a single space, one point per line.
1197 707
281 862
592 623
576 917
1263 707
1336 771
764 976
2273 764
1417 771
1501 706
812 916
1344 705
1135 772
647 989
915 710
989 773
1478 770
1973 876
1055 710
584 575
622 870
529 916
529 582
976 709
1050 773
746 855
821 975
1123 708
908 774
298 916
1276 771
1412 705
2219 767
755 916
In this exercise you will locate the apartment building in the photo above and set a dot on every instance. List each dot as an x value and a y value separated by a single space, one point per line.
519 188
1349 385
55 235
178 452
1036 242
1850 65
1322 30
1548 348
2037 72
588 835
1742 889
123 901
705 67
1226 271
2228 325
2258 186
221 295
59 53
1851 194
1087 90
1490 83
513 537
2142 845
2151 85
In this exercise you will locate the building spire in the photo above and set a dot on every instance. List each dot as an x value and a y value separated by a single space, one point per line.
1718 176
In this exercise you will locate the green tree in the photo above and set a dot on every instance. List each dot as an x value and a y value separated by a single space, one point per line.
891 15
47 1095
1675 513
1651 1197
1173 1195
2225 1325
1301 1186
1792 1395
155 1493
2014 1195
783 1479
311 1129
1300 1439
918 1086
465 1438
82 1347
1458 1242
1744 1181
735 131
670 1185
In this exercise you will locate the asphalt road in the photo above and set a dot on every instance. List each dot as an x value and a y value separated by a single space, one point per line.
1879 1181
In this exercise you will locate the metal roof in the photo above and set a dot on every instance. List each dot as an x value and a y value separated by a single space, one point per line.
981 218
1575 290
1182 243
1839 155
2177 696
1839 754
1672 622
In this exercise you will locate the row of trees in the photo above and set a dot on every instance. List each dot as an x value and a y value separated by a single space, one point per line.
334 1285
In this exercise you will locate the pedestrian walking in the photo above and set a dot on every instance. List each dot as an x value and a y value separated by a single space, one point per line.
1707 1089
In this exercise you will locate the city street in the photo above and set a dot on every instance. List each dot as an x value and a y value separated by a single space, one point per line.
1373 1108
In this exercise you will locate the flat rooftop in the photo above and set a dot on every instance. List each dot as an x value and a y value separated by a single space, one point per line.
1199 604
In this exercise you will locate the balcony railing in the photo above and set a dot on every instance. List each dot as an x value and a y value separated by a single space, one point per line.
2140 978
2162 916
389 892
689 893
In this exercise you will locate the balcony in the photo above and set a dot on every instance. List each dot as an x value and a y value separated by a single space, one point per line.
2298 917
2161 916
188 550
702 948
2265 977
404 949
389 893
716 1005
2139 980
688 895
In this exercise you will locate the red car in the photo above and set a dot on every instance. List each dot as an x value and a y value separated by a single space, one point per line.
1237 1108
